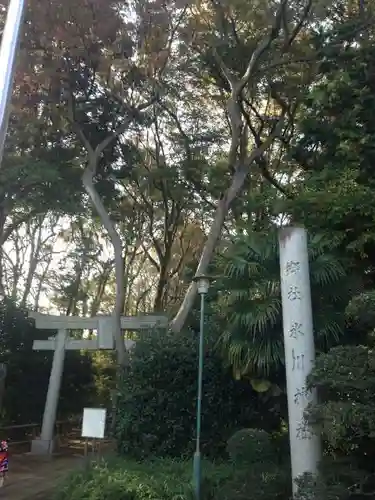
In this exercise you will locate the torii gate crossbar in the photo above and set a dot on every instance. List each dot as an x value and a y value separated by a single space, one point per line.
104 340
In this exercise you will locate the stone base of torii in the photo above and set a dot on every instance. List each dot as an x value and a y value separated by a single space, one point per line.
60 343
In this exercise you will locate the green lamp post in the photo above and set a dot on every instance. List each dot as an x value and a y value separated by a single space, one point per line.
203 284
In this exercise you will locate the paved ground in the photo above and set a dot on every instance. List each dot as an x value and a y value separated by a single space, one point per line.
35 478
31 478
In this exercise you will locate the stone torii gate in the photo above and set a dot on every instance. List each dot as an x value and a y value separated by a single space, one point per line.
104 340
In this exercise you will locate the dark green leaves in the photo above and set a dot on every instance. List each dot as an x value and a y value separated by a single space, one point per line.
251 300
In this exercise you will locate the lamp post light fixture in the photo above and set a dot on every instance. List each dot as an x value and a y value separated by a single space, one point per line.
203 285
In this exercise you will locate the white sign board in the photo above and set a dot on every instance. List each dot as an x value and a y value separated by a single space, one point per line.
93 424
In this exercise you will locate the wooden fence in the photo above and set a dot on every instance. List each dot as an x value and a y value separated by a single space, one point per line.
20 436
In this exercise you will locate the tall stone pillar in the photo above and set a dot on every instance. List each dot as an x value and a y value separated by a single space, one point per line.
299 348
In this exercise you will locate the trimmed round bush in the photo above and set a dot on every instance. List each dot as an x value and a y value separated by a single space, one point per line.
250 446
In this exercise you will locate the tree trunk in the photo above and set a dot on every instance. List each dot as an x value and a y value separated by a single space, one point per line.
101 284
241 172
2 225
29 280
88 182
223 206
40 284
2 289
33 263
119 303
161 290
72 304
3 218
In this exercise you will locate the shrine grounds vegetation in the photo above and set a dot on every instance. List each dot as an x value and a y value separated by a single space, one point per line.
254 465
168 479
157 403
141 93
156 431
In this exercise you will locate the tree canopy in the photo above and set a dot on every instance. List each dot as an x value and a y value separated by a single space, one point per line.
150 142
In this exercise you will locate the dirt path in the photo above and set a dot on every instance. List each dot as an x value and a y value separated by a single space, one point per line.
34 479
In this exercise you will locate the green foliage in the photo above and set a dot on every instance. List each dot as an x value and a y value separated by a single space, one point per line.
28 371
251 304
249 446
157 403
164 479
335 145
38 179
361 311
345 379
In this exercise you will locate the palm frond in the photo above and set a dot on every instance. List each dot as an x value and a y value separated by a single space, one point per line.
257 357
253 338
325 269
323 243
330 333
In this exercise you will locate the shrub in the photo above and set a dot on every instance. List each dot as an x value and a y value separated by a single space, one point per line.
248 446
166 479
345 379
157 401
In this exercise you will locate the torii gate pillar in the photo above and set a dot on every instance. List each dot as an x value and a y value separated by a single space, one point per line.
61 342
45 445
